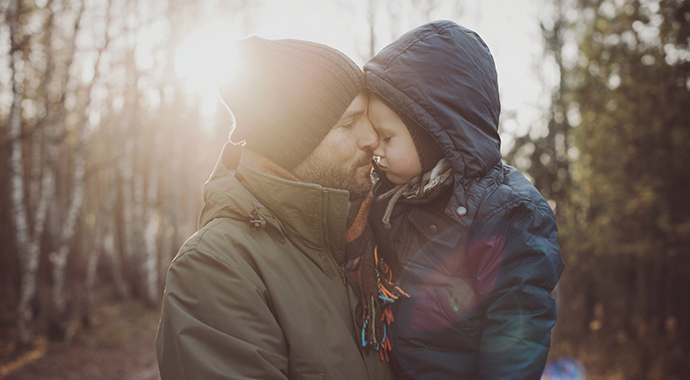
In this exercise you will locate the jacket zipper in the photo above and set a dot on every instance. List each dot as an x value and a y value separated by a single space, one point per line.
340 268
353 315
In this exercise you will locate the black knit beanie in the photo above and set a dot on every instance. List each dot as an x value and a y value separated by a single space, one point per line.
286 95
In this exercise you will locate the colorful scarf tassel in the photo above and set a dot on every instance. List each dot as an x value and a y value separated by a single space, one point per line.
377 315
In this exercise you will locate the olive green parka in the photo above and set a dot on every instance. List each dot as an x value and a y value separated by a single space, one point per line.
258 292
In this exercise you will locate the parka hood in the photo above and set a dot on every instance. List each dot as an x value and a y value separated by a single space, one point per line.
223 196
443 76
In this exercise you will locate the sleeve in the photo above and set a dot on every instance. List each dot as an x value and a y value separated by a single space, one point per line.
217 323
517 264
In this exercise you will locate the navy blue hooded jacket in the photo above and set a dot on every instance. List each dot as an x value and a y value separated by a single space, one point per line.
479 256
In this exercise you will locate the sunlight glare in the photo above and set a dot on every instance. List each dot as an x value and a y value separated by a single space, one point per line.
204 60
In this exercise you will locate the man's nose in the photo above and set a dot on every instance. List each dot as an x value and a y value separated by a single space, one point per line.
368 138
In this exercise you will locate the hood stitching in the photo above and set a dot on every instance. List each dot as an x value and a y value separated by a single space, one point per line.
422 35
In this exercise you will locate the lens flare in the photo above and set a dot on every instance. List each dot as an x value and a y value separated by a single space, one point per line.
205 59
564 369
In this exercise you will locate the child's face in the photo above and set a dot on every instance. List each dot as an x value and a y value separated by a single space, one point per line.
397 154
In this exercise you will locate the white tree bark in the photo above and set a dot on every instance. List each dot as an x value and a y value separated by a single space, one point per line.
127 174
115 262
136 244
133 193
151 263
104 240
43 176
19 214
91 269
106 244
131 213
59 259
153 222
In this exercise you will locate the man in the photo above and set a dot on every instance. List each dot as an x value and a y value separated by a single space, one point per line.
260 291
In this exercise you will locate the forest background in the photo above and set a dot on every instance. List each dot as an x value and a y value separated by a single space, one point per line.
109 127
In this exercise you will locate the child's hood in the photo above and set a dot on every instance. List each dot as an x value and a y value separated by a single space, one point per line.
443 76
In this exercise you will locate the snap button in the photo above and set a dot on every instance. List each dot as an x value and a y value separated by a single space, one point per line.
461 211
432 229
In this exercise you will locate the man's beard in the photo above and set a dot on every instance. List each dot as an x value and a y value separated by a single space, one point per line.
322 172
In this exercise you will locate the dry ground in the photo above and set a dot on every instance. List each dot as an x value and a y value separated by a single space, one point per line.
119 346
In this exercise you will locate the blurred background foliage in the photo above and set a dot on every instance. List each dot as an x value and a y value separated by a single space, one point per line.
613 163
104 151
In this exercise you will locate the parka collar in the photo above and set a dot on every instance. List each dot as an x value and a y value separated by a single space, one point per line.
310 215
313 214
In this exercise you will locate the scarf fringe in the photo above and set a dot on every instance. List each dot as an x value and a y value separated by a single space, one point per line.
377 315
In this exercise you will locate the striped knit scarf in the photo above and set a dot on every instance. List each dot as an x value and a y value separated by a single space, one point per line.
371 278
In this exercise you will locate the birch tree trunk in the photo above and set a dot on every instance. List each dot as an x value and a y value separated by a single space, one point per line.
91 270
127 174
136 244
132 203
133 188
103 237
59 259
153 222
114 257
43 167
151 264
19 214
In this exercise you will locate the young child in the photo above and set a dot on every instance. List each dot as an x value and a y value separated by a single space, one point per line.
473 241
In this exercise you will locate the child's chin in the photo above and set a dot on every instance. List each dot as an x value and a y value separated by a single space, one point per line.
395 180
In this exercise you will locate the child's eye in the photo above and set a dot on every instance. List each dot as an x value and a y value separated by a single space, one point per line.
347 125
386 139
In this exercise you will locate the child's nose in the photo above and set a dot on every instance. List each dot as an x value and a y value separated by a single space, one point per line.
379 152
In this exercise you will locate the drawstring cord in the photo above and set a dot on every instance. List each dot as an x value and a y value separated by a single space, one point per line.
395 194
427 182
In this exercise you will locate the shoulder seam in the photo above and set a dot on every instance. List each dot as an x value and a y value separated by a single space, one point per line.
520 198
